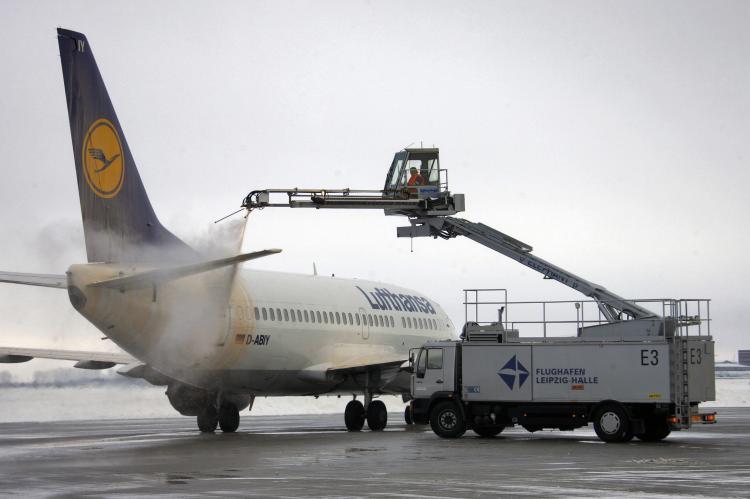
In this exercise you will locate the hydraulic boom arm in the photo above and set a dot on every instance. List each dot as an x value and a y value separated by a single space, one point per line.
417 188
612 306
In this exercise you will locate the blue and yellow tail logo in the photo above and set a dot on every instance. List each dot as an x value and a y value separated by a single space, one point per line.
103 160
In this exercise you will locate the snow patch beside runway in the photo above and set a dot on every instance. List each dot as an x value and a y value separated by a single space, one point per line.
116 401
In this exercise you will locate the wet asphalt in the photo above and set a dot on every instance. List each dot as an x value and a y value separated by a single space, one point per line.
312 456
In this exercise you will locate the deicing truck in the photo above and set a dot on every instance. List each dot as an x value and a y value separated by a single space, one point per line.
643 381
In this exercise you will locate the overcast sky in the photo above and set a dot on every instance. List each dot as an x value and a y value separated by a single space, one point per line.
611 136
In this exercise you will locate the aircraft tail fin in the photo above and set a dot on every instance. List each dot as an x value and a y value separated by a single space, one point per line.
118 221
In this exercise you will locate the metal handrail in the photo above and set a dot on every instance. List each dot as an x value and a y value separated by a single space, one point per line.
685 313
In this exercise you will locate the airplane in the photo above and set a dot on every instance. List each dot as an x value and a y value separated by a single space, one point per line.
214 334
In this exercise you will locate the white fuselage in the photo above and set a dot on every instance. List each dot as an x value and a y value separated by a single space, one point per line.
264 332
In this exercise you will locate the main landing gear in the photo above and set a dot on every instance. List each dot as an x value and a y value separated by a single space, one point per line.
227 418
355 414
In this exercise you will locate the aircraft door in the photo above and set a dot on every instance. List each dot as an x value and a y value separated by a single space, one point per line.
365 325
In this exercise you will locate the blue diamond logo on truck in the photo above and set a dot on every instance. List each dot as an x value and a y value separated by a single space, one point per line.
511 370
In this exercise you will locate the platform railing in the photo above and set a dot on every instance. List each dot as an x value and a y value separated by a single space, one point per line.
690 316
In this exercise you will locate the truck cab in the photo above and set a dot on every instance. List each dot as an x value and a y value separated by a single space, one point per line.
435 370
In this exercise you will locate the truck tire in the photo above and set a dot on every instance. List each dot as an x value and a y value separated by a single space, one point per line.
657 428
488 431
447 420
611 424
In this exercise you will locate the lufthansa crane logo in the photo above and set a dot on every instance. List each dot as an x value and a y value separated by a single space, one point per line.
102 158
511 370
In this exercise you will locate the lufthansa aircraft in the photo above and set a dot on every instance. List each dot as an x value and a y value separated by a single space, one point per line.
215 335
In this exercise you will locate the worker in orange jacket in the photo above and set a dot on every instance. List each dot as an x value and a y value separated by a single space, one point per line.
416 178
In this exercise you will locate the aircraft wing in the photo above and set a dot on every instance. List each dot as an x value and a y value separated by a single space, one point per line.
384 362
45 280
367 363
84 359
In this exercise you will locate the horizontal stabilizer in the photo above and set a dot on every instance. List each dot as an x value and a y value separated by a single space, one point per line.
156 276
86 360
45 280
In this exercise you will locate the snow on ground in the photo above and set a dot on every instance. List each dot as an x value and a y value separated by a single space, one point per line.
731 392
25 403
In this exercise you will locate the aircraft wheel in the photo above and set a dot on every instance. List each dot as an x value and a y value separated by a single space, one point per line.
447 420
377 415
611 424
354 415
229 418
407 415
488 431
207 420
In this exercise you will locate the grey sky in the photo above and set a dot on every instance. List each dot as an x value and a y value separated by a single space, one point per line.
612 136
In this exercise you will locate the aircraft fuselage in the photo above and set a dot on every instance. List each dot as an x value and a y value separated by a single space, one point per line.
261 332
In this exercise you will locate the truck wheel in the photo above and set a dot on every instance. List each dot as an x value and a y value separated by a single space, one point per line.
657 428
611 423
488 431
354 415
447 420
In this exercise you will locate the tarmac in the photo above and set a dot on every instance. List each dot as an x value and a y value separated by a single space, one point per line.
312 456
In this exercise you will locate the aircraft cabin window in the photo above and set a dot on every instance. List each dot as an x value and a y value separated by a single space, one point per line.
357 316
403 323
343 318
286 315
408 321
273 316
351 320
278 314
257 313
421 326
338 318
390 318
364 320
380 319
299 316
265 317
307 317
319 319
369 319
293 315
330 316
